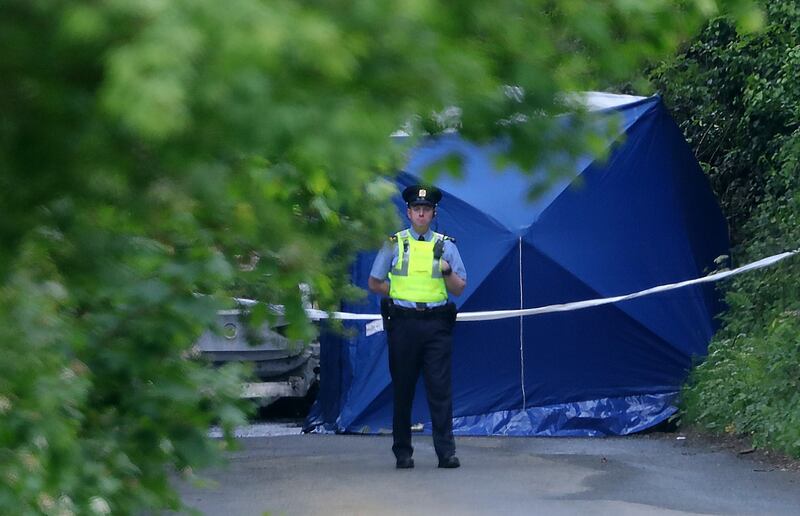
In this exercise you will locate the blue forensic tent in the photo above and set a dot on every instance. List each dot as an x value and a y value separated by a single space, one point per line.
643 218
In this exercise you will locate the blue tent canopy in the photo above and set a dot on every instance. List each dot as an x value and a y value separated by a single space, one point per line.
644 217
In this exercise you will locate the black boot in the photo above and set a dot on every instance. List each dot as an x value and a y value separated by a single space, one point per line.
405 463
449 462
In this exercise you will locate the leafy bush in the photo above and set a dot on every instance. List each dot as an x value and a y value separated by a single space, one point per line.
738 100
152 151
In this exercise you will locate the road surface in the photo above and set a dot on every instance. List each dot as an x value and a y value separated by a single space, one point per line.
341 474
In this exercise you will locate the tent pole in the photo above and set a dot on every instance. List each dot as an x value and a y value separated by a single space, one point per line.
521 347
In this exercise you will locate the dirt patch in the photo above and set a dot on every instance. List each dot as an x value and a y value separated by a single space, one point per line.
742 446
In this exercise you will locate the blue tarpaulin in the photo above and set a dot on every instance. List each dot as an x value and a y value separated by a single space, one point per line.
643 217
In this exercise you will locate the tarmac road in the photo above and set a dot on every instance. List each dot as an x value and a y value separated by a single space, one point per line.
342 474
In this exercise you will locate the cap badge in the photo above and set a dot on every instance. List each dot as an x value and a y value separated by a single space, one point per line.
422 193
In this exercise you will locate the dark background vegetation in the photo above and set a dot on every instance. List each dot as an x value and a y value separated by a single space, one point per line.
737 98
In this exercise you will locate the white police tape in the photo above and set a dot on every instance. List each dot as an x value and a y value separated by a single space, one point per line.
714 276
376 324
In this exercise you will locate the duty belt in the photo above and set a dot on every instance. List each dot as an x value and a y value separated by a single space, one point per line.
388 308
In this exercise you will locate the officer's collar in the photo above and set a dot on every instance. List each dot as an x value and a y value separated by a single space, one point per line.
428 234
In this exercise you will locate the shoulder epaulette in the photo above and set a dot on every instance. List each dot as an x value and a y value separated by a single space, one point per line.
392 238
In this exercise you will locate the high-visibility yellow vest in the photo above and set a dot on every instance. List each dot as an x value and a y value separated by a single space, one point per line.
417 275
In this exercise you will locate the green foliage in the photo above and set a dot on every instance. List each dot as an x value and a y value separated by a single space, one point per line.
749 383
738 99
735 97
151 151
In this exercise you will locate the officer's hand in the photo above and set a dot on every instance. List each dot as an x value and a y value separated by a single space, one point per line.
438 249
444 265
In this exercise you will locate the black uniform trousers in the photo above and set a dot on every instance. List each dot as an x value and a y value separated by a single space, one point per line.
421 341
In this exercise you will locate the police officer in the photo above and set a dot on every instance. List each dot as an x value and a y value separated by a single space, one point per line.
422 266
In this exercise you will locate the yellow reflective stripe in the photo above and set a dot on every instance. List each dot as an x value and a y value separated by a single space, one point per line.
436 270
399 264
